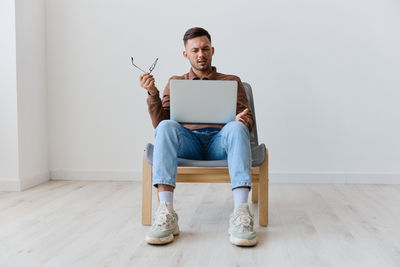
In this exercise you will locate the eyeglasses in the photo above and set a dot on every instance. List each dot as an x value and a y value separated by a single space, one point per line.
151 67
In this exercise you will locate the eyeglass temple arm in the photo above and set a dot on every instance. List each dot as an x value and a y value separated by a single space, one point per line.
136 66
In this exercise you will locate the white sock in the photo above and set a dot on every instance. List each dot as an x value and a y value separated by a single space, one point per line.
166 196
240 195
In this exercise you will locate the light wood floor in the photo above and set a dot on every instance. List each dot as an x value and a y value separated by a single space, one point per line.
69 223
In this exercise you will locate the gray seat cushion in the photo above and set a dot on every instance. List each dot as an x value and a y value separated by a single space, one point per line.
258 156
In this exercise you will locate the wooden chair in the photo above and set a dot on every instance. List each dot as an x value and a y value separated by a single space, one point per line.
214 171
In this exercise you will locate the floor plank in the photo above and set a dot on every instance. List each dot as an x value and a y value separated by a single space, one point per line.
97 223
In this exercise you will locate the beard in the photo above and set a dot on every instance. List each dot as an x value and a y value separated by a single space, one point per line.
204 67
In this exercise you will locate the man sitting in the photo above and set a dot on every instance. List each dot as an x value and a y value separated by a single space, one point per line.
200 142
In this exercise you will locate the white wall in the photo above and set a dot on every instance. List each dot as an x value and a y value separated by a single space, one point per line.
324 73
8 99
23 95
32 91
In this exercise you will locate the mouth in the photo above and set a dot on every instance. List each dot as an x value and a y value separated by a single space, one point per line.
202 62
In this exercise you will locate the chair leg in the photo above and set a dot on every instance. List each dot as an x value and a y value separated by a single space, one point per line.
147 188
263 194
254 193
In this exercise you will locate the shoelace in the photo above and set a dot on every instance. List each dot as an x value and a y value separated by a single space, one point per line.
162 219
243 220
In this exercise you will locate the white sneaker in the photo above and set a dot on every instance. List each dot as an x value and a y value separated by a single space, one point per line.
165 225
241 225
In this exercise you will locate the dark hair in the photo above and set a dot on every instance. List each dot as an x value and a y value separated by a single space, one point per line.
195 32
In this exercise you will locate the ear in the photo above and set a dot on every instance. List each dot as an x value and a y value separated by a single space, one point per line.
212 49
185 54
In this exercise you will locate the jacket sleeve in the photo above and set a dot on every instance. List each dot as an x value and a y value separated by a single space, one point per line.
159 109
242 104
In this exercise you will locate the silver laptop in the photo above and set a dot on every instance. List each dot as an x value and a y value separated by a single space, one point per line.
203 101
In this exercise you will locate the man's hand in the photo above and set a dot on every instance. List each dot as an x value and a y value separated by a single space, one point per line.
242 116
147 82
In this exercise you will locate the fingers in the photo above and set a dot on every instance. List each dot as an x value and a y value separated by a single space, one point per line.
241 120
141 78
244 112
146 80
144 77
242 116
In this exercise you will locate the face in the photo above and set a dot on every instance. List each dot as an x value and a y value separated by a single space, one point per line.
199 52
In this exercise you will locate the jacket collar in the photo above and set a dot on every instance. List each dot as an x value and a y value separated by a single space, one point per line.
211 76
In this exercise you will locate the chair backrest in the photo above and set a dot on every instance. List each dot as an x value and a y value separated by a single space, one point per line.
253 134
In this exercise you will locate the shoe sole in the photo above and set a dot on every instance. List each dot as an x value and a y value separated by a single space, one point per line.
162 240
243 242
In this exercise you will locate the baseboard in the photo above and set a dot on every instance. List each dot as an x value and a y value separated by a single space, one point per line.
33 180
9 185
335 178
275 177
96 175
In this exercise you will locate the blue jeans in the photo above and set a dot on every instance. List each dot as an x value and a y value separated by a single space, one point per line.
172 140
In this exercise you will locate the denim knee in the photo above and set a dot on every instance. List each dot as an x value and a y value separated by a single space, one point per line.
237 128
167 126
